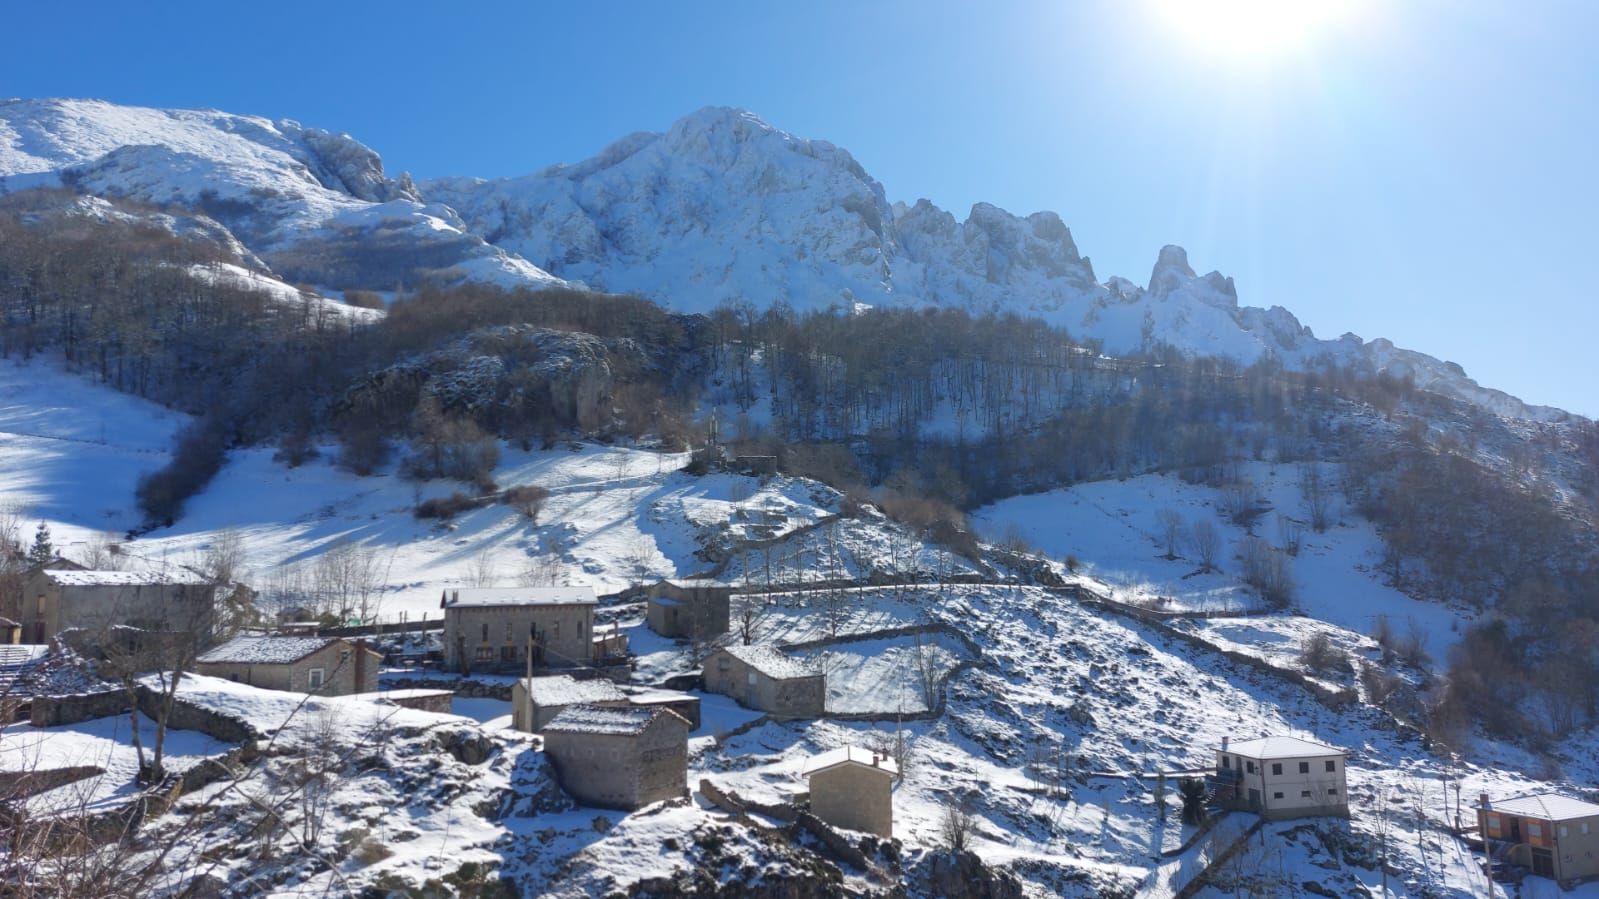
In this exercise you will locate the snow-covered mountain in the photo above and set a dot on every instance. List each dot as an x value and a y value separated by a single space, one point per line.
316 206
723 206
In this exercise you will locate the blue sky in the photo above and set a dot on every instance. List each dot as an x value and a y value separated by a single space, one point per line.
1422 170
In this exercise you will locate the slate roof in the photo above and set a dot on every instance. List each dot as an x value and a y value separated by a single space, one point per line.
90 578
1281 748
474 597
589 719
850 755
265 650
770 662
564 689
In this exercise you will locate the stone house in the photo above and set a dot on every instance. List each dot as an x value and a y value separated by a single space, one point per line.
55 599
326 666
1551 835
690 608
623 758
499 628
854 789
537 700
763 678
1281 777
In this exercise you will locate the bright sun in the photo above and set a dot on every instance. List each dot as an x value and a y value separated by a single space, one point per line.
1252 28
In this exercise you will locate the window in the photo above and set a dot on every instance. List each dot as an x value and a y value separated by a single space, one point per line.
1304 767
507 653
1534 830
1332 791
555 630
41 603
1276 795
344 656
1583 827
1564 831
1227 762
1493 823
1251 766
313 678
1304 794
752 677
1276 768
485 632
1332 766
485 653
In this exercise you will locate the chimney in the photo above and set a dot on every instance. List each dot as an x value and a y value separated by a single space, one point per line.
455 596
1482 799
360 666
1224 744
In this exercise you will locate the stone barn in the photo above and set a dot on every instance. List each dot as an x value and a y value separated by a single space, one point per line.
326 666
690 608
853 789
760 677
55 599
624 758
535 701
497 628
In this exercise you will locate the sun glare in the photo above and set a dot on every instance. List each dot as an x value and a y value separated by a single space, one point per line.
1252 28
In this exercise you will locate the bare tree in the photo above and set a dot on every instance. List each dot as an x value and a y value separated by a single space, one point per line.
349 577
749 609
1317 496
481 571
956 823
1290 535
1320 655
528 500
102 552
1206 539
222 561
1170 524
925 669
541 570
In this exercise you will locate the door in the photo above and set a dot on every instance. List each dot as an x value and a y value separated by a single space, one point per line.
1254 798
1543 863
1515 830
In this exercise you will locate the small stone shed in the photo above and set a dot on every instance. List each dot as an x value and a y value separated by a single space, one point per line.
535 701
761 677
853 788
326 666
690 608
623 758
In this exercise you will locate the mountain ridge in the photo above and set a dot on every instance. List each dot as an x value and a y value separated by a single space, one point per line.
721 206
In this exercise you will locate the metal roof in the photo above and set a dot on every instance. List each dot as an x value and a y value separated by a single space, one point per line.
1280 748
1548 806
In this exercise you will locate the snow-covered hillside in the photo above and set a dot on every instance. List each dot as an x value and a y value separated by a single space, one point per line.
314 204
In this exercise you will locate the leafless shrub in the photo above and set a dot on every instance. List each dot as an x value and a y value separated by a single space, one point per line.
1320 655
1206 540
527 500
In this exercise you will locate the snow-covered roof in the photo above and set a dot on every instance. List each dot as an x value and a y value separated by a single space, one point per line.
518 596
694 583
1548 806
564 689
264 650
16 655
7 622
90 578
1281 748
845 755
590 719
770 662
649 695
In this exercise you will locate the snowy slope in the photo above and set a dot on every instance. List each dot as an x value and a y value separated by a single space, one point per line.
301 198
723 206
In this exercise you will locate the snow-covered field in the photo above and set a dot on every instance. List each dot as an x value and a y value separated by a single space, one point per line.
1114 529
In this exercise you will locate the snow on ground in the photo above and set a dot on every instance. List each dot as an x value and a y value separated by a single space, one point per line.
105 743
315 308
884 676
1113 528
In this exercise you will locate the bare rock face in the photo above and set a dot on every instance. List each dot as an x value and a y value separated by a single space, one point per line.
962 875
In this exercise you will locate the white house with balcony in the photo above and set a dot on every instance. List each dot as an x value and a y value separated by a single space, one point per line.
1281 777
